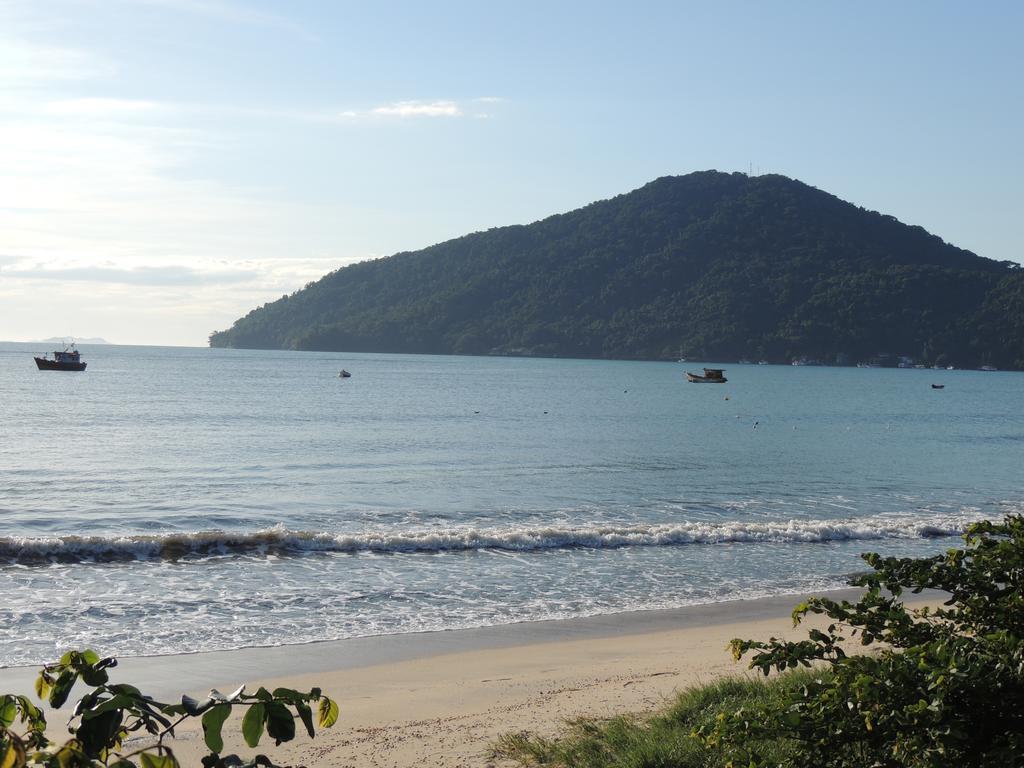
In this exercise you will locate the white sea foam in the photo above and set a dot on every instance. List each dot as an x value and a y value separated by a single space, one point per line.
280 541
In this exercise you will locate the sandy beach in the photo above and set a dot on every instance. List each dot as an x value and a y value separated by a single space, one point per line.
441 699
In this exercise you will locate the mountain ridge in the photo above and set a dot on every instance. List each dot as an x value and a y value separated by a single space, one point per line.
711 265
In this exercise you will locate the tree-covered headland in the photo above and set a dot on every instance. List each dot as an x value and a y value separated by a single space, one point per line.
710 265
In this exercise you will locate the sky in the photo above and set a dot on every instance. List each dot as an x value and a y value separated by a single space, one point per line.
168 165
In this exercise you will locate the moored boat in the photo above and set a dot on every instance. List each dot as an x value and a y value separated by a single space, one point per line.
67 359
711 376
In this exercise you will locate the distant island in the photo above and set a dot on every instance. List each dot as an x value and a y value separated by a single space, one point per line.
69 339
711 266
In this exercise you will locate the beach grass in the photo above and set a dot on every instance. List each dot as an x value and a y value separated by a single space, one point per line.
663 739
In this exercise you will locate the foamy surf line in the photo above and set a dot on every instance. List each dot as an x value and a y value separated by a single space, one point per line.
280 541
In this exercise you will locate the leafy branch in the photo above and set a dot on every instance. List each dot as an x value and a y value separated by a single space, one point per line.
105 718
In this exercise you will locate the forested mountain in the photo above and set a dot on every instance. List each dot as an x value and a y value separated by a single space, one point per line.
710 265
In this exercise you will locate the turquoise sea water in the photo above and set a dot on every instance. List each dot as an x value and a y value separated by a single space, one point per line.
171 499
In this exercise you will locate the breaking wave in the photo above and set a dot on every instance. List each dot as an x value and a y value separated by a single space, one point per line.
283 542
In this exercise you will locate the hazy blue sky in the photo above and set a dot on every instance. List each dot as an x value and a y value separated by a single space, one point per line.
166 165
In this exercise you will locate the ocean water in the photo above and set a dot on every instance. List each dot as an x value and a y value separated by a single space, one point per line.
173 500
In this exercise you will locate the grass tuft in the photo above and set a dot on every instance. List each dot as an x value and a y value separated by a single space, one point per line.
660 740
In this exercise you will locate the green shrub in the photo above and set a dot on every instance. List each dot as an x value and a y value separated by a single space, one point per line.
106 716
664 740
944 687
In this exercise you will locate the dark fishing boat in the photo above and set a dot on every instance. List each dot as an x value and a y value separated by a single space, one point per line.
938 386
67 359
711 376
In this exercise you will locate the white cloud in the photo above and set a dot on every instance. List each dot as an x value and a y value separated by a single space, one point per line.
397 109
419 109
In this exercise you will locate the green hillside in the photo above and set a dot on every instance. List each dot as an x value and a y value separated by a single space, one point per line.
710 265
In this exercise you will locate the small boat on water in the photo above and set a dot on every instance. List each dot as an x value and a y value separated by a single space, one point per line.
938 386
343 374
67 359
711 376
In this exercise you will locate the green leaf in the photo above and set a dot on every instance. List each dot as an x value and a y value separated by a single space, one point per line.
8 710
92 676
127 690
328 712
114 702
43 685
62 688
153 760
31 713
99 734
213 721
280 722
252 723
306 714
